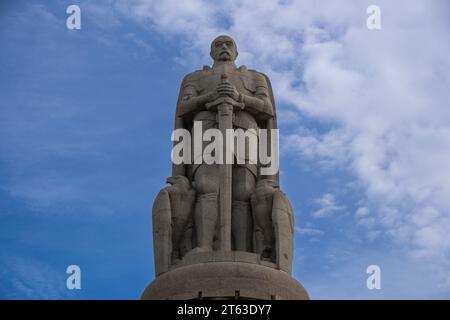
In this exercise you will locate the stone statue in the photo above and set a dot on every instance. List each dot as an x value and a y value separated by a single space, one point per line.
231 212
252 91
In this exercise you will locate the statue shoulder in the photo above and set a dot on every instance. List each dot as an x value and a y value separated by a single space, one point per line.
259 75
197 74
253 74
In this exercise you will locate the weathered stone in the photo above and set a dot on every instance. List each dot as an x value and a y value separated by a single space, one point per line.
225 280
283 220
224 230
242 256
223 256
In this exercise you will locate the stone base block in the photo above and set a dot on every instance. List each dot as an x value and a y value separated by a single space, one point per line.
225 280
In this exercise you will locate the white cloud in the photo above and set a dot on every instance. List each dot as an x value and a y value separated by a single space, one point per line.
344 276
26 278
310 232
385 94
328 206
140 43
326 148
361 212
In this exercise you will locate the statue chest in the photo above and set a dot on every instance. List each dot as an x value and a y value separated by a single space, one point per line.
210 81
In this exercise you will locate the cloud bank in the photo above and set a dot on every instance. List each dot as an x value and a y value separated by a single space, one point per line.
371 103
380 97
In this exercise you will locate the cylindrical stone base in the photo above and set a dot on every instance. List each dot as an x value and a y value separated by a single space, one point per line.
225 280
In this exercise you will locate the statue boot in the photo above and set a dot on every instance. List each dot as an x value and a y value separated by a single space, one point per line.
205 215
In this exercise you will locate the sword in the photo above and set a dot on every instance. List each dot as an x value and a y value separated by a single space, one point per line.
225 118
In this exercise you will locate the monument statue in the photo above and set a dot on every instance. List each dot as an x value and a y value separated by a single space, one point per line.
223 228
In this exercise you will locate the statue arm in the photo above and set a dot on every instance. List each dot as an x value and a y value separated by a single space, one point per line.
178 169
260 103
191 102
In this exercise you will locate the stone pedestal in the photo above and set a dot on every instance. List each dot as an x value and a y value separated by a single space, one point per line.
223 275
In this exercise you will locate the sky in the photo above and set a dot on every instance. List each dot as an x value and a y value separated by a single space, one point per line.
86 117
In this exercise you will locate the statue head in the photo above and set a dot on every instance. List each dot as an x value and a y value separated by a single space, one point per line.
223 48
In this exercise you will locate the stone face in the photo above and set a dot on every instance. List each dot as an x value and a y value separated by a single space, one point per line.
228 224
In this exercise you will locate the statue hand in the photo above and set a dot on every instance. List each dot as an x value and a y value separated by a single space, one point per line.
224 93
212 96
228 90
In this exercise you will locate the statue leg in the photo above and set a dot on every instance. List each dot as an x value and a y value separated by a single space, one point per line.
241 217
206 207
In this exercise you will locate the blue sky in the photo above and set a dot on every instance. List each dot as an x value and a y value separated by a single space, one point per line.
86 118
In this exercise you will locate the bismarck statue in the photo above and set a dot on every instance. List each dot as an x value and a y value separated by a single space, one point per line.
223 229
